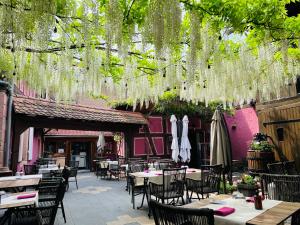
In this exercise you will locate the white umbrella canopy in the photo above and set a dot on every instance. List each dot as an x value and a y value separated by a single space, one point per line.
220 147
185 147
100 142
174 145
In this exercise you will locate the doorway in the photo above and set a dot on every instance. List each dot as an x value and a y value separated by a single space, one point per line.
81 152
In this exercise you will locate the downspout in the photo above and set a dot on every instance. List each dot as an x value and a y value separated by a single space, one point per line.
7 142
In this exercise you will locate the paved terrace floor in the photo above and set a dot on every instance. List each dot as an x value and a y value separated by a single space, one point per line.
101 202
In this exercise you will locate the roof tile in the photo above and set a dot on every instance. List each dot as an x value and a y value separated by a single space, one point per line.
41 107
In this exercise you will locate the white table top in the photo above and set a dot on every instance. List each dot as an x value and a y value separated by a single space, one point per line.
11 201
157 176
47 170
23 177
244 211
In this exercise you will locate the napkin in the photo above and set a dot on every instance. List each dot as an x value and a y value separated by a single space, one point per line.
224 211
26 196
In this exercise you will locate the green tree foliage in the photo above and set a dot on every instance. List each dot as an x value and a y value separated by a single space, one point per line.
205 51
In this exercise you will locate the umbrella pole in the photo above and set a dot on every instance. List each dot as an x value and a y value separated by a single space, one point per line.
224 182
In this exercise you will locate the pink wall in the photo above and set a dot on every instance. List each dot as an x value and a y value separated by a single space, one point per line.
35 152
246 122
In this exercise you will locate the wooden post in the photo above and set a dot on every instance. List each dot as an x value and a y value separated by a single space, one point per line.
128 138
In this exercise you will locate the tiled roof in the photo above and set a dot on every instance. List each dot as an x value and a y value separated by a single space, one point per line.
62 132
45 108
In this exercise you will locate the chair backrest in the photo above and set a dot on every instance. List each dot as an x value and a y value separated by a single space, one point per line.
30 169
130 160
281 187
121 160
49 188
290 168
173 181
73 172
154 159
136 167
171 215
165 164
276 168
74 164
48 213
211 176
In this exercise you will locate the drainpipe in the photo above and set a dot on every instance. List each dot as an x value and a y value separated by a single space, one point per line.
7 142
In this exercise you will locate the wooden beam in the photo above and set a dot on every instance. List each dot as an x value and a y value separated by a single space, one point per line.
56 123
281 122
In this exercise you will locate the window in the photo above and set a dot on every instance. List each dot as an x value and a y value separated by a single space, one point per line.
280 134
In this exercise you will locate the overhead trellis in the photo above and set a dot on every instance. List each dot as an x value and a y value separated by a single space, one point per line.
204 50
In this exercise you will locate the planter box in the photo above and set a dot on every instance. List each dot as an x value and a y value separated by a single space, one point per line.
247 190
258 160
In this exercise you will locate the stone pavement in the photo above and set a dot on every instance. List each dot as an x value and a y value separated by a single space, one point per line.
101 202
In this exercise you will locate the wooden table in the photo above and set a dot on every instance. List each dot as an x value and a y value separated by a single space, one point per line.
11 200
275 215
20 181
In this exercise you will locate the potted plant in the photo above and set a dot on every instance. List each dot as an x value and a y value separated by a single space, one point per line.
260 153
247 185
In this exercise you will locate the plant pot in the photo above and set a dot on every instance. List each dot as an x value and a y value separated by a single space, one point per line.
258 160
248 190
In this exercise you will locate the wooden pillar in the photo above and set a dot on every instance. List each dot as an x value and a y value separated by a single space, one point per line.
128 137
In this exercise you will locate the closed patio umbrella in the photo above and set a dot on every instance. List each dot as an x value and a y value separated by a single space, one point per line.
185 146
174 145
100 142
220 147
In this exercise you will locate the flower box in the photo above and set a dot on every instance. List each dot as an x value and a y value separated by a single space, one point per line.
248 190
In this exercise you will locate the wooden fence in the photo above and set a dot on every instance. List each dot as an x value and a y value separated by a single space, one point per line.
280 119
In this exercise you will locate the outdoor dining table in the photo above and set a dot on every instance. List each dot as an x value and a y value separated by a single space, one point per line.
20 181
273 212
13 200
48 169
156 176
105 164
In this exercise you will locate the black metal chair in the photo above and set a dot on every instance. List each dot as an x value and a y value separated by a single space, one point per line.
114 171
41 215
171 215
30 169
72 174
74 164
290 168
133 186
102 169
52 190
165 164
276 168
209 181
282 187
172 186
